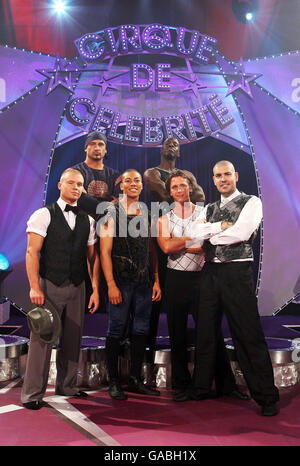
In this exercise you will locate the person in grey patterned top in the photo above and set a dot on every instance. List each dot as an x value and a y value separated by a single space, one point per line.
183 273
155 181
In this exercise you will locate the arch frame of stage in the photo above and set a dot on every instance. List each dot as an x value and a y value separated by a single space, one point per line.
37 116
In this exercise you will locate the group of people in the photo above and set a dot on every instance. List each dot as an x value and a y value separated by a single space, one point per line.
189 258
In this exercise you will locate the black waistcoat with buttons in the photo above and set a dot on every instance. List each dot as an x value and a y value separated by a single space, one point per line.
63 254
229 213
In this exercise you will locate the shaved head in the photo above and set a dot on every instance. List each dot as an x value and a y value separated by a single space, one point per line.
225 177
68 171
223 163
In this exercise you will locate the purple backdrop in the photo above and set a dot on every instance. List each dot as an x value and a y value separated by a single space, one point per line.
266 128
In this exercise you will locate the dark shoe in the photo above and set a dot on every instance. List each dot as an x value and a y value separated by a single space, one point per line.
115 391
80 394
33 405
196 394
135 385
269 410
180 394
238 394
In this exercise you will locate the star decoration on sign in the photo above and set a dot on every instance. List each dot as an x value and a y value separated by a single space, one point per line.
242 80
194 85
105 84
61 75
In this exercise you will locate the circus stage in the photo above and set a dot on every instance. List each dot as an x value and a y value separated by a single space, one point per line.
146 420
222 79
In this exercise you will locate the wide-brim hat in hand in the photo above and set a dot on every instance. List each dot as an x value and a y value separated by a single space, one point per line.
44 321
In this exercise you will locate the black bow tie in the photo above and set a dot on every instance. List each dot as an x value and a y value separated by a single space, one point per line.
74 208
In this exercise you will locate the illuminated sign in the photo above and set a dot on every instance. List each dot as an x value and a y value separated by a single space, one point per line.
153 38
151 130
146 101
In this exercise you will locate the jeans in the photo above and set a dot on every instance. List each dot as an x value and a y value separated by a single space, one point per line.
135 307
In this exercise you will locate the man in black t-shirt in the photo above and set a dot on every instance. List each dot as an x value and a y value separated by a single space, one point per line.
101 183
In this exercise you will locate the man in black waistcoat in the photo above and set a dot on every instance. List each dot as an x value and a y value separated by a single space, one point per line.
61 238
129 264
155 181
227 285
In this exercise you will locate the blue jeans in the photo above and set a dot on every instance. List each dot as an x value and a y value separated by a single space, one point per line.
136 304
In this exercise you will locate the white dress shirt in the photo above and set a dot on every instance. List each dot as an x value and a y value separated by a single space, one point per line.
200 231
40 220
247 222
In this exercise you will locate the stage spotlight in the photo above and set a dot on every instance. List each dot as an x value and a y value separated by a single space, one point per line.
4 262
5 270
245 10
59 6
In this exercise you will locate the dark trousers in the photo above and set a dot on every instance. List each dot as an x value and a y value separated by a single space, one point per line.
135 306
134 311
229 287
181 293
181 298
157 306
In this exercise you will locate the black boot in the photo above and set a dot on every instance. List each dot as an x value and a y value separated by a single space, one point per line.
115 390
135 385
137 353
112 349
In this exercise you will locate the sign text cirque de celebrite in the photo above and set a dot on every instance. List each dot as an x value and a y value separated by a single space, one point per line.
136 129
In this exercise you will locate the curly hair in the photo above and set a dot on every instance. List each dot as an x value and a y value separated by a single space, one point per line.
184 174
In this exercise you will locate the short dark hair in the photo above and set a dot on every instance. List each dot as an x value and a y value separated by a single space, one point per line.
130 170
167 139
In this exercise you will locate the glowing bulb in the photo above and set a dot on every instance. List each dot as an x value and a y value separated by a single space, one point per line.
4 263
59 6
249 16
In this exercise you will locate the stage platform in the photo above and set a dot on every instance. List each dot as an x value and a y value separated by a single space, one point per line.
147 421
281 334
286 324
